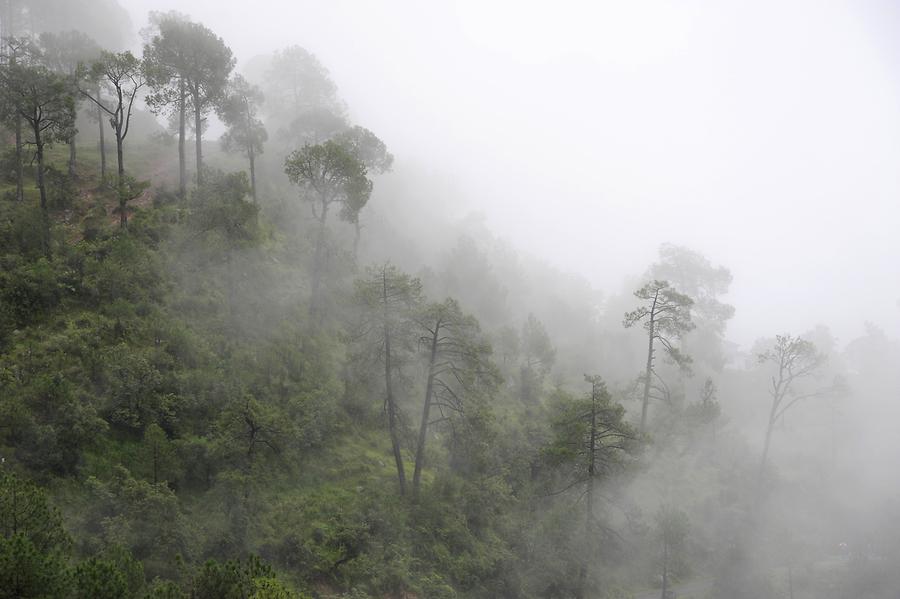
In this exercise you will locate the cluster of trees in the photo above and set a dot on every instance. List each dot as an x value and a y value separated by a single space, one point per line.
219 377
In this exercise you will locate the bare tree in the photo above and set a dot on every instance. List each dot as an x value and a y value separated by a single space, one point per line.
794 360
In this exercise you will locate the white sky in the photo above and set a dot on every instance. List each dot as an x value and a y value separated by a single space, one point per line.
765 134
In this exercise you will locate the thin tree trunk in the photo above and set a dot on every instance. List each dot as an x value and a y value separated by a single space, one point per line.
197 134
20 162
182 126
20 157
120 179
665 580
356 233
252 173
72 157
391 406
120 156
649 372
423 427
318 265
45 213
765 451
102 139
589 507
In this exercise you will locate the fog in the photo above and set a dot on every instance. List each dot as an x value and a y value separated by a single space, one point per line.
762 134
449 300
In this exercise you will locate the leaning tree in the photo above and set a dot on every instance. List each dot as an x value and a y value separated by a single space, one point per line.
459 367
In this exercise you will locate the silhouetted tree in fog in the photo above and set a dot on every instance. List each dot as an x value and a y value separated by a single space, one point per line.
389 299
246 133
188 63
328 174
590 440
167 58
666 315
793 359
458 366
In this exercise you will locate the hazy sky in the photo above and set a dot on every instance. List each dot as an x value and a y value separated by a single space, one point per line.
764 134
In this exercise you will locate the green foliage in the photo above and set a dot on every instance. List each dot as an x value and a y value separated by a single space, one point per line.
665 314
100 579
134 385
222 213
330 173
24 513
139 516
61 191
236 580
26 572
29 290
246 133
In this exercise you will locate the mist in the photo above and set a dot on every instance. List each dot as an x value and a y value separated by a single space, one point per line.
762 135
449 300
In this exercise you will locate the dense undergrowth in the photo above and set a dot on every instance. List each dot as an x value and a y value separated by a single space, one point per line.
201 435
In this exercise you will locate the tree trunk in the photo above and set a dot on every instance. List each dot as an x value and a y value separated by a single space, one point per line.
252 158
102 140
72 157
665 580
391 406
45 212
589 507
356 232
197 134
182 126
20 162
647 374
120 156
318 264
20 154
765 451
423 427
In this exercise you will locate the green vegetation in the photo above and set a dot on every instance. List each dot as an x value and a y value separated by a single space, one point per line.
224 391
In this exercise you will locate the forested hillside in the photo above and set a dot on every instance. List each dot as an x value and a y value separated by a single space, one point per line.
244 354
